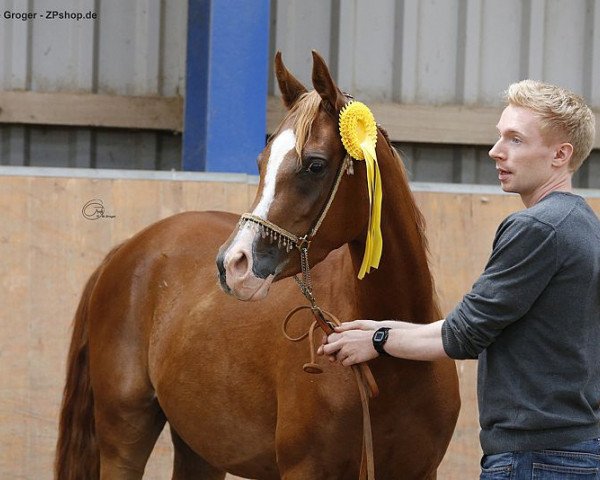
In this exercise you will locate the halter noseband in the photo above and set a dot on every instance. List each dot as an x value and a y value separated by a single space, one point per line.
288 240
367 385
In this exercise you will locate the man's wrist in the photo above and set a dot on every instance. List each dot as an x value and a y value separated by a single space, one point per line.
379 339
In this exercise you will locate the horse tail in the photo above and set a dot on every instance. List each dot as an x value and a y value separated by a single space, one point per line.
77 453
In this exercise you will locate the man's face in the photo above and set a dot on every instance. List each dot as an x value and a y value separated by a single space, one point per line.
522 154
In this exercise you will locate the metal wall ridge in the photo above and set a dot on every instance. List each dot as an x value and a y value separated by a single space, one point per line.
118 174
242 178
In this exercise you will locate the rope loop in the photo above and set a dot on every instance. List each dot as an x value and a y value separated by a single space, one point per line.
286 321
364 378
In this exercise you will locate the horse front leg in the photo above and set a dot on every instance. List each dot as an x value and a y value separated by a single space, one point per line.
320 470
190 466
318 448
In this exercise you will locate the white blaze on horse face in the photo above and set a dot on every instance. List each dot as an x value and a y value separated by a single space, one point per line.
238 259
283 143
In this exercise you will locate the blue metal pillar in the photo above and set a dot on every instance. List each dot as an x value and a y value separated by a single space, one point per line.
226 85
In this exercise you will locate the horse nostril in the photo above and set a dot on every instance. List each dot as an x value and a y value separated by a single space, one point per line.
221 267
239 264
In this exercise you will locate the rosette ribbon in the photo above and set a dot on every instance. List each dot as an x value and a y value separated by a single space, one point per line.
359 136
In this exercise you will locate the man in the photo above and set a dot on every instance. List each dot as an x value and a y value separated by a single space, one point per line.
533 317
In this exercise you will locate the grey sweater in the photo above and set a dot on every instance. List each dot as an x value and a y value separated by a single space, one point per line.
533 321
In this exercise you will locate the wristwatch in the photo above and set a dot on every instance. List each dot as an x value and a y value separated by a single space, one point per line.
379 338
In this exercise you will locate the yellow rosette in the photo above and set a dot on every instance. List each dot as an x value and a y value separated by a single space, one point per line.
359 136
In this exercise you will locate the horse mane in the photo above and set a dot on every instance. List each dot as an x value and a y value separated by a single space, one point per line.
305 111
418 216
419 219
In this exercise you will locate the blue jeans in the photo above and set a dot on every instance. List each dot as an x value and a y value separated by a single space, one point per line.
575 462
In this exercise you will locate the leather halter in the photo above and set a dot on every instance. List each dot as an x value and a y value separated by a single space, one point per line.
367 385
289 240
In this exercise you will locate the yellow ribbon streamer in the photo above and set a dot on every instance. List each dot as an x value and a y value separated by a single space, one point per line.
359 136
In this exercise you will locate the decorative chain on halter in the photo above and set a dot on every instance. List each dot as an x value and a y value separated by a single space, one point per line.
358 133
288 240
305 283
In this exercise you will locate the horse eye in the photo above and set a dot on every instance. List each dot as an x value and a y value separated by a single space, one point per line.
316 167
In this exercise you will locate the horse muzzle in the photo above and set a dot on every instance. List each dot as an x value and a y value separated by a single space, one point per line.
247 267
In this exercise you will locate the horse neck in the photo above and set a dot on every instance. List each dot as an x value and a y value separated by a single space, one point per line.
402 287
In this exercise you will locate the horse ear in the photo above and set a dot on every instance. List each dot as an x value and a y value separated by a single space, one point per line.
290 87
325 86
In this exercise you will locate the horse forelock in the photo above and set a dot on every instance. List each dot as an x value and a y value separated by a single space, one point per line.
303 113
306 111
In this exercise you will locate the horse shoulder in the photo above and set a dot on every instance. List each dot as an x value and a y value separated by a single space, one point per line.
146 274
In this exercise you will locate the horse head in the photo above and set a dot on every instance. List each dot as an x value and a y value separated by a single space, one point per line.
304 194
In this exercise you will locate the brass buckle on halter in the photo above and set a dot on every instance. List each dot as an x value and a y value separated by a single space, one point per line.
303 242
322 320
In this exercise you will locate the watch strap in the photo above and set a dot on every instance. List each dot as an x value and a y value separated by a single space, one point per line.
379 338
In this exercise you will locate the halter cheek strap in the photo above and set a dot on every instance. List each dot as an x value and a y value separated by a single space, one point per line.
284 237
365 380
288 240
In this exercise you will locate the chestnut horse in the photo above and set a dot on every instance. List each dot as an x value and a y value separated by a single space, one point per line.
155 338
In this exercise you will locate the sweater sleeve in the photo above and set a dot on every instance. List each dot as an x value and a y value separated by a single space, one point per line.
523 260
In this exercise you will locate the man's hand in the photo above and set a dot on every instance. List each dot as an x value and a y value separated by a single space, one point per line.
351 343
369 325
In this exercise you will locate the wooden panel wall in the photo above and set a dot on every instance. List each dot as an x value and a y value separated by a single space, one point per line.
48 250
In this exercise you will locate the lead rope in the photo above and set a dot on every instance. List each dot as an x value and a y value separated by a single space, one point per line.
367 386
364 377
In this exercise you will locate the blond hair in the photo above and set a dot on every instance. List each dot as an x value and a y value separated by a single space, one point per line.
561 112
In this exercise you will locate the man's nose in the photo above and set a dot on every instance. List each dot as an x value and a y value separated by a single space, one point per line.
495 152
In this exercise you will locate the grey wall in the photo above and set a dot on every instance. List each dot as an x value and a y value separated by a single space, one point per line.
438 52
432 52
135 47
443 51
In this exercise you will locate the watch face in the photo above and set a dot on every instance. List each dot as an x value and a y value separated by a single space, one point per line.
379 336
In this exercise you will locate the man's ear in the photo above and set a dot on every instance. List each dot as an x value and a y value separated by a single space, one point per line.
562 155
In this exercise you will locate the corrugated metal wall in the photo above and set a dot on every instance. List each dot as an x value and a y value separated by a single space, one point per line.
443 51
437 52
430 52
132 48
